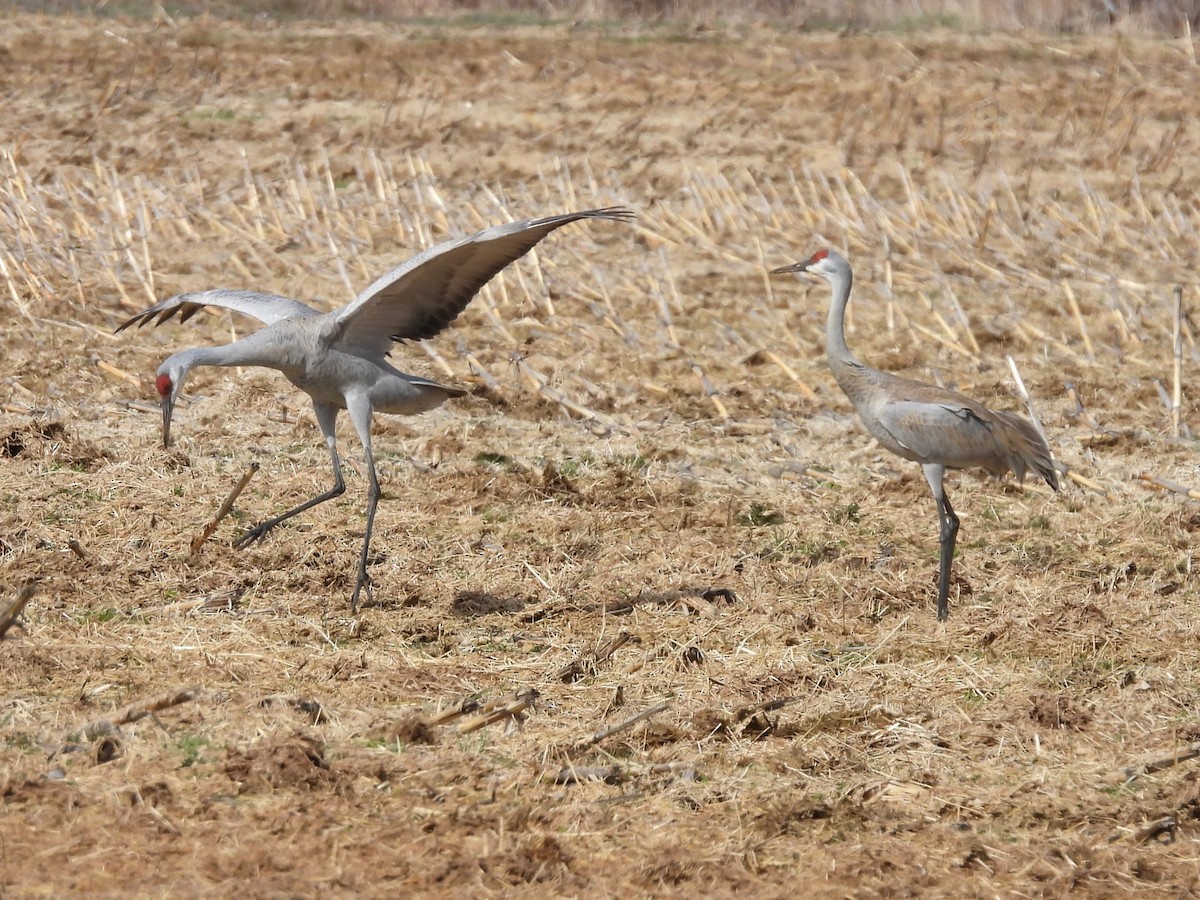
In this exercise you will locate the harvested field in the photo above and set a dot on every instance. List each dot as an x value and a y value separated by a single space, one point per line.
653 613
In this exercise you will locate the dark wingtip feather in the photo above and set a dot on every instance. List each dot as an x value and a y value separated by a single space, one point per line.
1050 473
617 213
140 320
1040 457
188 310
1026 449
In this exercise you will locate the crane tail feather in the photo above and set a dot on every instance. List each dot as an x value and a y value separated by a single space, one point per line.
1025 449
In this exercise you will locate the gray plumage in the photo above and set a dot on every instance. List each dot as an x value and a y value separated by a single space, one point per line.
935 427
338 358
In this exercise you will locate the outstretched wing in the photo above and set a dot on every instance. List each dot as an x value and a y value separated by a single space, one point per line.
267 308
421 297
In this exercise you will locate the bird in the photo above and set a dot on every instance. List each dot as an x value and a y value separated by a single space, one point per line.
938 428
339 357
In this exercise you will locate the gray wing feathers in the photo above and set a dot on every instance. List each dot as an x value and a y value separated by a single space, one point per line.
929 430
964 435
1026 448
267 308
419 298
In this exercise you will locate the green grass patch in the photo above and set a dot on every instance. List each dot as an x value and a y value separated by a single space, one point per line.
758 514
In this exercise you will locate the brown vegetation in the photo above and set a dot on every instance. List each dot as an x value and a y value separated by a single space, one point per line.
654 614
1167 17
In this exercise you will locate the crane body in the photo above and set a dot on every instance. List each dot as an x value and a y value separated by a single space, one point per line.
339 358
930 425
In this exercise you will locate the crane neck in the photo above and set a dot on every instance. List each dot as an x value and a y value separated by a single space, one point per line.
249 351
214 356
838 353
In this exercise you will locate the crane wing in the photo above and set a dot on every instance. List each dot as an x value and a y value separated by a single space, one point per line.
419 298
957 432
267 308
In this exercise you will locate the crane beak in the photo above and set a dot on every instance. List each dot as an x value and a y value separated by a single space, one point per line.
168 407
794 267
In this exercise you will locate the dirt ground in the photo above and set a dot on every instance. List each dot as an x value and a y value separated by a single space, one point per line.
653 614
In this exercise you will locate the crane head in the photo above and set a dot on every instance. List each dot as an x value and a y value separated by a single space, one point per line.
169 381
167 388
167 397
823 262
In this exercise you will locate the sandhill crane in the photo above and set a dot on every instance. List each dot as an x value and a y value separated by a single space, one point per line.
930 425
338 357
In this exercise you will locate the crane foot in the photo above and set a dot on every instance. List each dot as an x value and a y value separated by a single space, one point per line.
254 534
364 581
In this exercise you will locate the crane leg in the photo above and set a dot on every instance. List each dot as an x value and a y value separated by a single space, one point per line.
948 525
360 415
947 535
364 580
326 418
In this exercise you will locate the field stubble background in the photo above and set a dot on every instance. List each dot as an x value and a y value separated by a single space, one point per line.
652 420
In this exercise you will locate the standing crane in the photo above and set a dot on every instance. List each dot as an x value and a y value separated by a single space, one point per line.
935 427
339 358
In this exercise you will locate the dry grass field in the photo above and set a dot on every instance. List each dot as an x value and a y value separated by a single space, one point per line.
653 614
